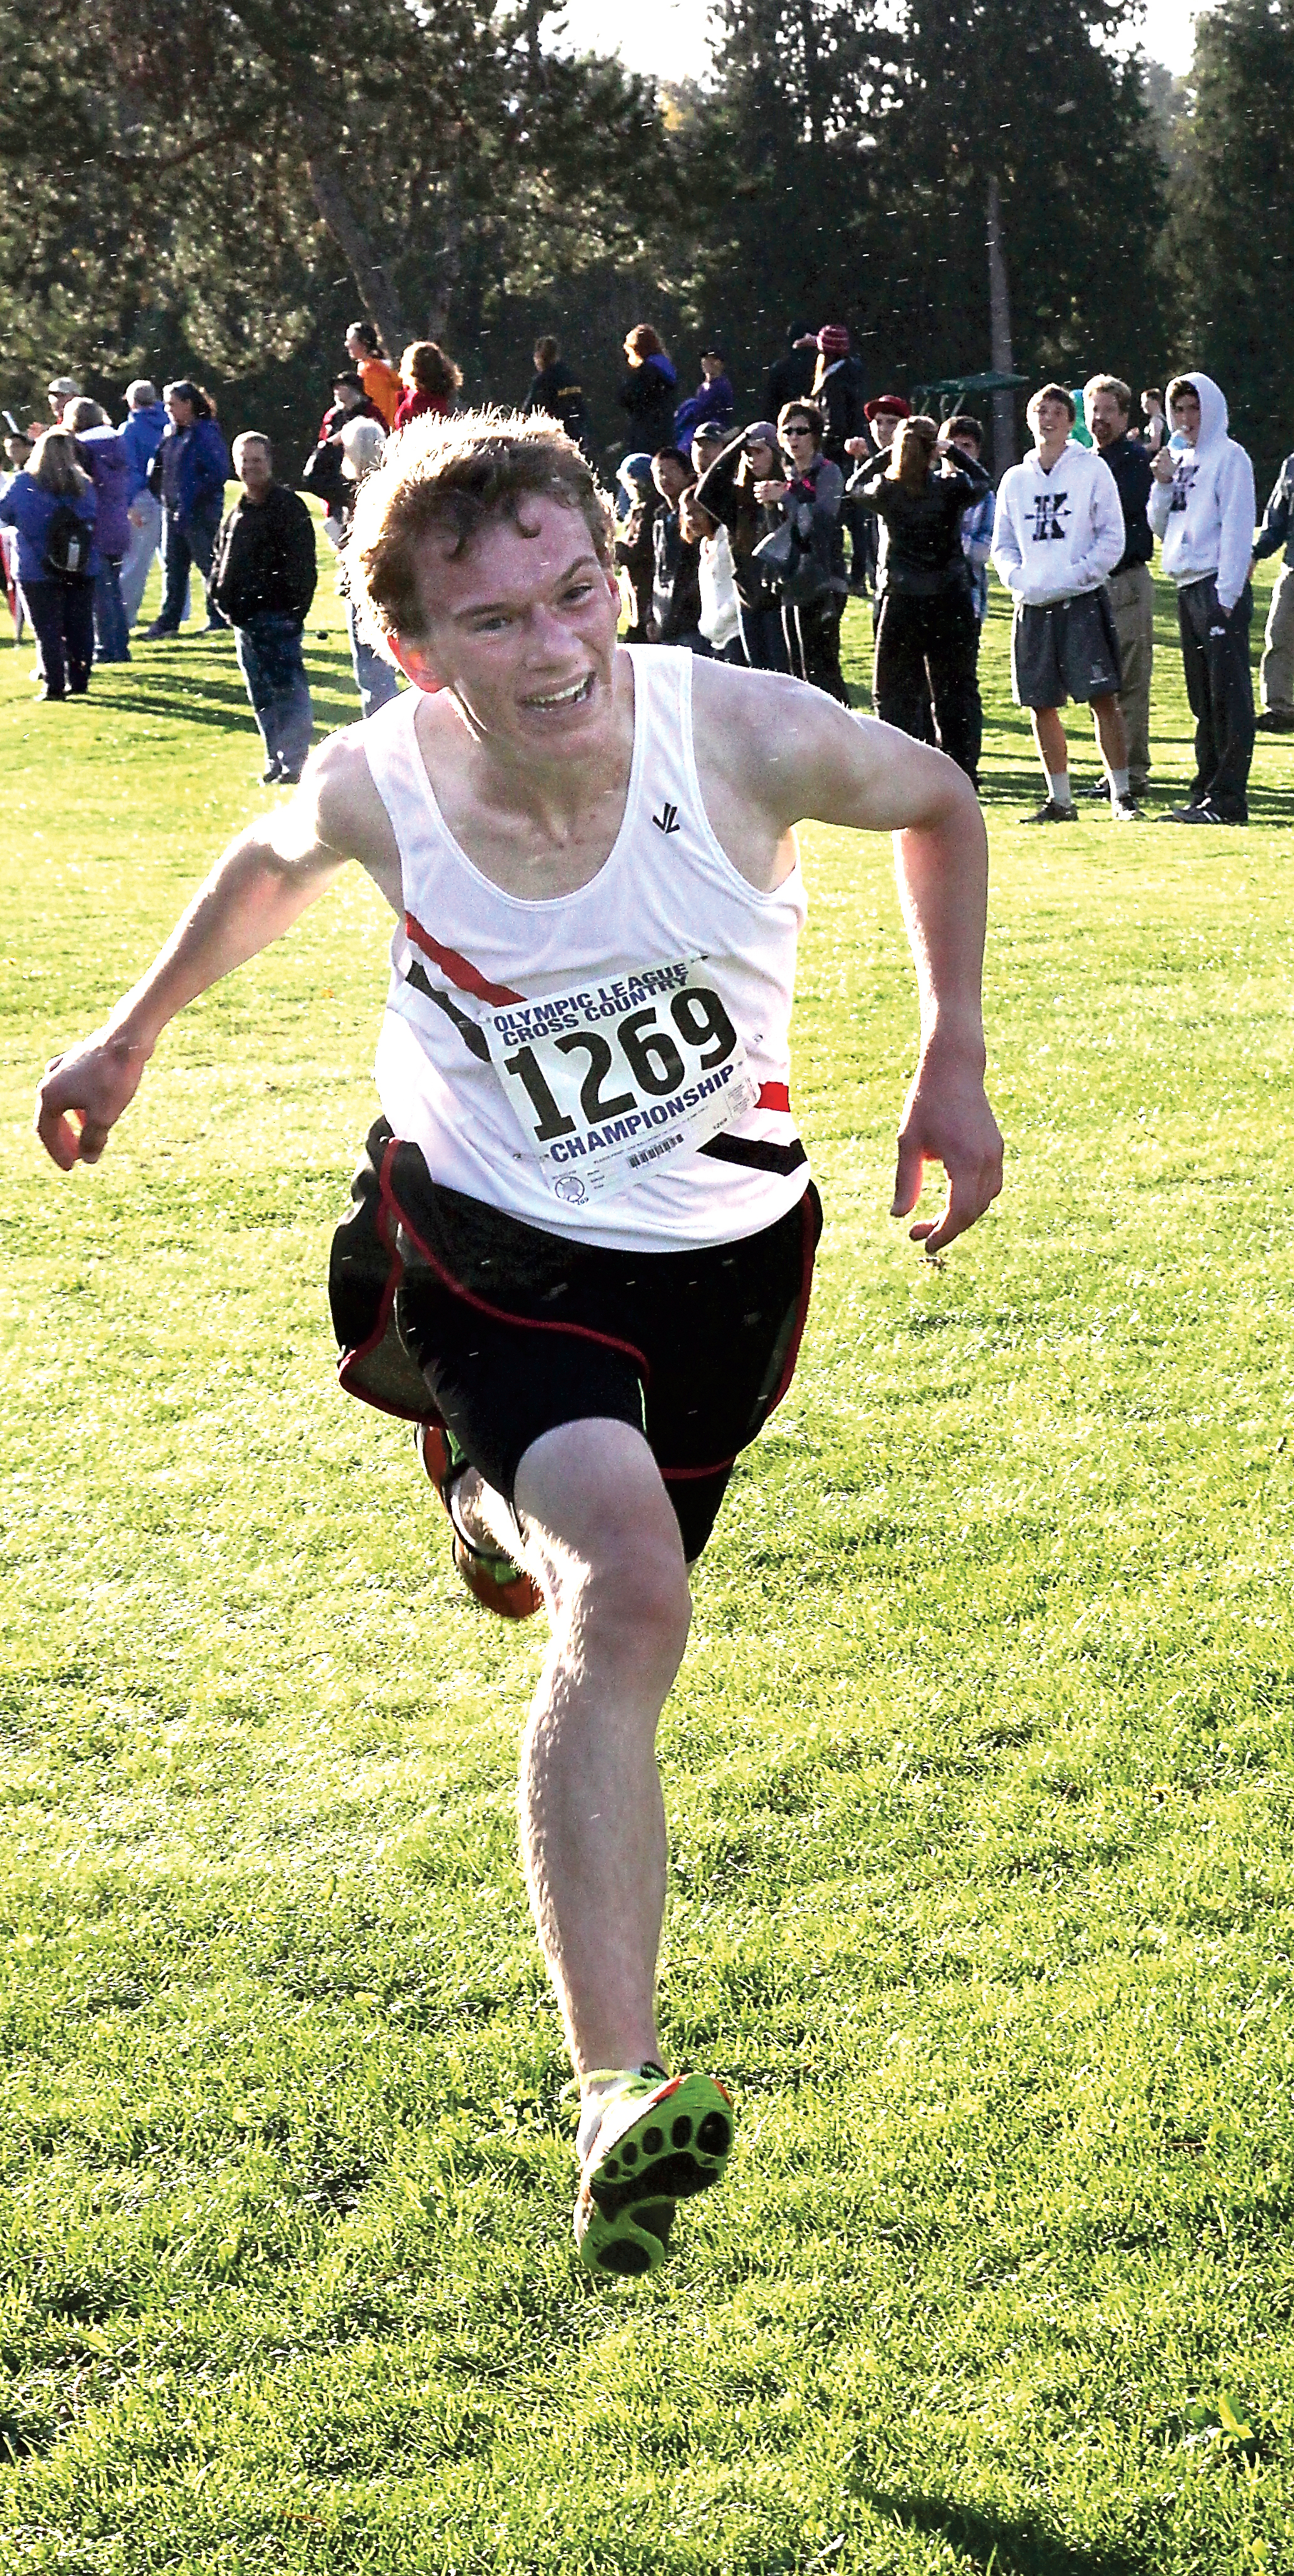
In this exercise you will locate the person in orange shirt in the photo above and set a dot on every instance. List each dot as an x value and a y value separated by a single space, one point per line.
380 380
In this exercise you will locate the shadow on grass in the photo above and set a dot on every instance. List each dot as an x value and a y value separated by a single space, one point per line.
1005 2545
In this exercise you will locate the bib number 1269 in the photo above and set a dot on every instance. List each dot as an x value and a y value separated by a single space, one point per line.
649 1055
607 1082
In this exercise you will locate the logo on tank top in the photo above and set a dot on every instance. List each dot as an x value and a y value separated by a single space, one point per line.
667 819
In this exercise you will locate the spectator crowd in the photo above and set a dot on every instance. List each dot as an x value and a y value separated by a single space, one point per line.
738 541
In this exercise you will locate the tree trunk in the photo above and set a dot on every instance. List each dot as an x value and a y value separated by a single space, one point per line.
812 83
375 289
999 307
450 265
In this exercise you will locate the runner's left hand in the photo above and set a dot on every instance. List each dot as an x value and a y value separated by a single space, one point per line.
947 1119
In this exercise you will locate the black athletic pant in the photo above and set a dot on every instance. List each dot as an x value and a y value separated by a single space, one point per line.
813 644
762 638
931 644
1219 684
62 613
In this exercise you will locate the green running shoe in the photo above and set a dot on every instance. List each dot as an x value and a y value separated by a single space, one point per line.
660 2139
489 1574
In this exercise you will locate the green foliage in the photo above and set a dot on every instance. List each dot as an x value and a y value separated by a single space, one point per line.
978 1774
224 164
1029 91
864 151
1233 219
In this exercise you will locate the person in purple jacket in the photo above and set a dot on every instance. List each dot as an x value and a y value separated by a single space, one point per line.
188 474
52 505
713 400
103 454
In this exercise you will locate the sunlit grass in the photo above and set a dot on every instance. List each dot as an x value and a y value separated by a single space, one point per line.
978 1773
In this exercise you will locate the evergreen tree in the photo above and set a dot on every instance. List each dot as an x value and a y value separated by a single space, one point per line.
1232 232
778 167
850 161
1027 93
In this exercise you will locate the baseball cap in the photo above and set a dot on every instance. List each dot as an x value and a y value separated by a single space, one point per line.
894 403
66 387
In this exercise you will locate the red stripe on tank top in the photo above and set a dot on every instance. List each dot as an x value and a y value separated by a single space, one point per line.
460 970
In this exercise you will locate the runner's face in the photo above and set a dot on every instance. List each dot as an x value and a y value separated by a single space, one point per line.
523 631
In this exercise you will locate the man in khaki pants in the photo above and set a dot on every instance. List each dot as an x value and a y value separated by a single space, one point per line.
1107 403
1276 673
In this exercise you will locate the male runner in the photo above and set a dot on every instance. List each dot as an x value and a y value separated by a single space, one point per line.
583 1233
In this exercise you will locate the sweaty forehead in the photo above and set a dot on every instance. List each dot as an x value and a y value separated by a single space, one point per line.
507 558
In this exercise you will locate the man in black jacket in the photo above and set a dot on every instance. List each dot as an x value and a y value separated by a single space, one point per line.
555 389
791 378
1107 402
263 580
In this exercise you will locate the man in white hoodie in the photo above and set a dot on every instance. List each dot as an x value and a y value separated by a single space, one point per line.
1202 505
1057 536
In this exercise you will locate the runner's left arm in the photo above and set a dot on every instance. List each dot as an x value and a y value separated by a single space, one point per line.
261 885
834 767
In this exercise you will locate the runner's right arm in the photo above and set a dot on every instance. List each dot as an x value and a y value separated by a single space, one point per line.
261 885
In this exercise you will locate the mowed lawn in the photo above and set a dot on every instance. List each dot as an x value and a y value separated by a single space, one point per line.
978 1773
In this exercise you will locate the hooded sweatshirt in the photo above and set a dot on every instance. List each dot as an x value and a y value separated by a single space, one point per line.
1206 514
1060 533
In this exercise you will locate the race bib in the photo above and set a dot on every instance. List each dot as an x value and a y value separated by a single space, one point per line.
616 1079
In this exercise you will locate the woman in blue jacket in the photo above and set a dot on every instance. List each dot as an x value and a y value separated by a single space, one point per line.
52 505
188 474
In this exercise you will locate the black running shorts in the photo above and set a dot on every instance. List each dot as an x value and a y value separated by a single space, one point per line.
447 1310
1067 651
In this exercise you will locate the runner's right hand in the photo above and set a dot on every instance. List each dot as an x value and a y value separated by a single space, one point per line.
82 1095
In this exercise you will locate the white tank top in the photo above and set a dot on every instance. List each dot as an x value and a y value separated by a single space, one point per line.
610 1065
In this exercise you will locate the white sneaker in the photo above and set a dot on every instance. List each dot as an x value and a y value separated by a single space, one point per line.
1123 809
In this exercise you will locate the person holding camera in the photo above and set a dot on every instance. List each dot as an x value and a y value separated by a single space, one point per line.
804 556
927 637
727 491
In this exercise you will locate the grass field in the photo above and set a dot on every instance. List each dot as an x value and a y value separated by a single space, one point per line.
978 1771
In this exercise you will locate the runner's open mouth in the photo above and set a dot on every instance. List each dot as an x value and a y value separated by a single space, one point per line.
574 694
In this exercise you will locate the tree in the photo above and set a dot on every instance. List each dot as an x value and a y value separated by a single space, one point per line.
852 160
1025 97
778 169
1232 235
219 163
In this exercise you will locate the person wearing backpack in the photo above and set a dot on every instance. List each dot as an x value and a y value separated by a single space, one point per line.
52 505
